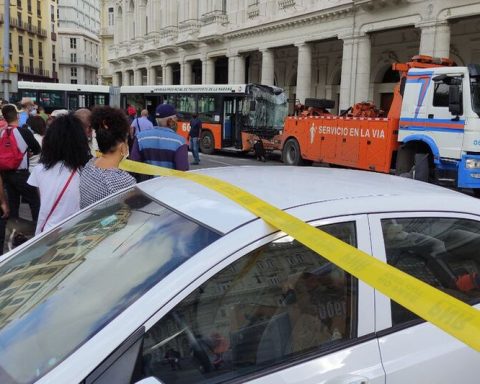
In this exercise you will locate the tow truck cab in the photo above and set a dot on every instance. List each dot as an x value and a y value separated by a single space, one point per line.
439 127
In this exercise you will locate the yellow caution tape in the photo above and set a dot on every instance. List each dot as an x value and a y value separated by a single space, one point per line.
452 315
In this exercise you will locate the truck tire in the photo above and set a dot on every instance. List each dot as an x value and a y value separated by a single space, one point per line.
319 103
291 153
422 168
207 143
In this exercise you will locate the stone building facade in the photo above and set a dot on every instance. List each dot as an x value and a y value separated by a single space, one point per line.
78 30
337 49
33 39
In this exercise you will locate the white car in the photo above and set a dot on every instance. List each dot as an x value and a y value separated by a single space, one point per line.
170 282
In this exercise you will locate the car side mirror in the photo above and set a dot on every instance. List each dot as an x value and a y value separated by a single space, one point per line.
149 380
455 106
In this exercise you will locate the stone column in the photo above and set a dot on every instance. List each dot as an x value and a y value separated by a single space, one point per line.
268 67
435 39
208 70
239 75
186 75
140 19
125 78
192 9
118 37
116 79
129 25
362 85
304 71
231 67
346 84
168 76
137 76
151 75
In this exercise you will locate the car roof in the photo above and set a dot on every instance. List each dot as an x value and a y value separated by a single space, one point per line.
343 191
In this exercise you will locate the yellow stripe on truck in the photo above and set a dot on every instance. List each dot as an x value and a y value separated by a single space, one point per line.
452 315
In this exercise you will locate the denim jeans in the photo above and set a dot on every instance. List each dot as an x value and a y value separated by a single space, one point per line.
194 143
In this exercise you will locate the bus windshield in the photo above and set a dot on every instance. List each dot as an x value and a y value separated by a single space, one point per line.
267 108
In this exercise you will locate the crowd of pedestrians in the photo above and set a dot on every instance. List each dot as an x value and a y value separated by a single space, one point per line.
66 161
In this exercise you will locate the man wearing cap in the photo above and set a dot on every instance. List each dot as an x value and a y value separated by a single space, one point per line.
162 146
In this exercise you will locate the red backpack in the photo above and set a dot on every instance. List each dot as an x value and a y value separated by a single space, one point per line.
10 155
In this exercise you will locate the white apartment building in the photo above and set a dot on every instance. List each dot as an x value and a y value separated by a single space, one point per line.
78 30
337 49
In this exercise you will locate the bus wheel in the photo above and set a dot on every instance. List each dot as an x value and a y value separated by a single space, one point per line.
207 143
291 153
476 192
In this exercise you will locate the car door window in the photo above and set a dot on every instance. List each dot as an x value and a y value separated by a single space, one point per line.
442 252
275 304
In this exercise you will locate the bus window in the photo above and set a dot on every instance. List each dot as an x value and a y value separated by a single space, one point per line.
72 102
81 101
171 99
31 94
186 105
207 108
52 99
99 100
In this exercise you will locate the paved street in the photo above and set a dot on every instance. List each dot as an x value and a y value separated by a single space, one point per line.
225 159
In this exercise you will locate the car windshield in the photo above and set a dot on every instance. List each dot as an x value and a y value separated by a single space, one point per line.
60 291
475 90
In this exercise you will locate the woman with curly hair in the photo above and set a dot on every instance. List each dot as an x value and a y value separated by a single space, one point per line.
64 152
101 176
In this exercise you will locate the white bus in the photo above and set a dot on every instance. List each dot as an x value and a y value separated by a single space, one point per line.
53 96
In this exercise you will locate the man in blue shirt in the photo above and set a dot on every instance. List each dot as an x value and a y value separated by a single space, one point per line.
140 124
161 145
26 108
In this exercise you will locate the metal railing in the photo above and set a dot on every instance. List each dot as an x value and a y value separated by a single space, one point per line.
22 69
215 17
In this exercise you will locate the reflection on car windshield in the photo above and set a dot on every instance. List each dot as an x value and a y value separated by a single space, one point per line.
61 291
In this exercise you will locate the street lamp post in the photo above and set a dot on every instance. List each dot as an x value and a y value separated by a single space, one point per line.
6 50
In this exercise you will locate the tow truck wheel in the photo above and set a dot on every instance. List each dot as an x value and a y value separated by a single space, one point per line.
291 153
422 168
207 143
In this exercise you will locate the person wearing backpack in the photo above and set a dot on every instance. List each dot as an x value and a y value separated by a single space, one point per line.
16 144
139 124
4 212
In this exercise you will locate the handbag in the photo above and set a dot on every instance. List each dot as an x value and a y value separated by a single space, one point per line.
58 199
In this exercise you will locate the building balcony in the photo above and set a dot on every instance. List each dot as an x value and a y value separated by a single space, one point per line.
136 46
370 5
79 62
169 34
107 31
214 26
188 31
214 17
24 70
22 26
152 43
253 9
283 4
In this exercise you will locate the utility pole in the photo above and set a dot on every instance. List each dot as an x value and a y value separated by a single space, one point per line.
6 50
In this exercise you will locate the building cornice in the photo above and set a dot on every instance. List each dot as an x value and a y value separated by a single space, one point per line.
329 14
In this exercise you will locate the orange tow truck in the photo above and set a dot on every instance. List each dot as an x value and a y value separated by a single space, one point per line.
362 137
